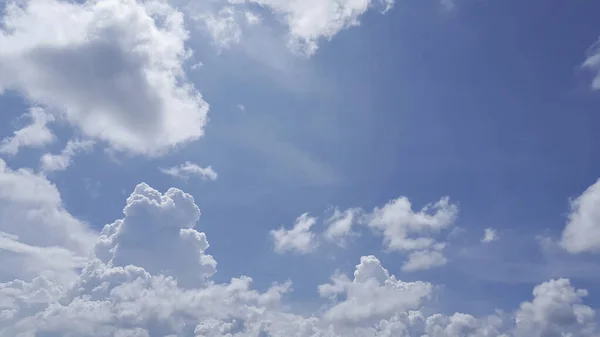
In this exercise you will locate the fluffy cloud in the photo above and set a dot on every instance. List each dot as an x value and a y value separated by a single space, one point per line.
339 224
111 68
372 295
37 235
403 230
148 275
59 162
299 239
188 169
556 310
582 232
36 134
406 230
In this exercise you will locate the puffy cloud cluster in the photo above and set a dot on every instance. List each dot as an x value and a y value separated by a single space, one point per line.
402 228
148 274
111 68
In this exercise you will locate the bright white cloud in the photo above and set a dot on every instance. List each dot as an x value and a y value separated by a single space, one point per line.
489 235
582 232
189 169
149 275
60 162
406 230
403 230
111 68
35 134
299 239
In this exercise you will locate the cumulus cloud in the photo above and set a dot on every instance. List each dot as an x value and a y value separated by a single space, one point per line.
406 230
556 310
299 239
60 162
372 295
111 68
35 134
489 235
188 169
148 274
403 230
582 232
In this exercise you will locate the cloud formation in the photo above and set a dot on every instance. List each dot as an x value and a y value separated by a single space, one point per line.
189 169
299 239
582 232
35 134
111 68
148 274
60 162
403 230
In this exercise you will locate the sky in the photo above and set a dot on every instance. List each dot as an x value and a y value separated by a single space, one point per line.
308 168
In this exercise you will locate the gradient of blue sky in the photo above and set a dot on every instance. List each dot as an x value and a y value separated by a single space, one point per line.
486 103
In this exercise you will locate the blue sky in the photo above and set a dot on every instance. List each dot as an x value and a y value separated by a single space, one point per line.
486 102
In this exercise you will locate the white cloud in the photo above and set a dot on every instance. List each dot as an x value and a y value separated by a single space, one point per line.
222 25
403 230
158 235
406 230
489 235
35 134
309 21
149 275
423 260
111 68
582 232
298 239
188 169
339 224
372 295
60 162
38 236
556 310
